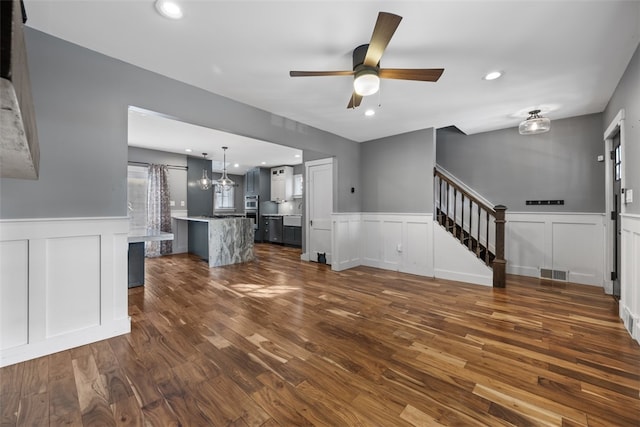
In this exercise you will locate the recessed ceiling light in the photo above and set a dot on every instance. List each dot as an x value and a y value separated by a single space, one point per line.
263 163
493 75
369 113
297 156
188 150
236 165
169 9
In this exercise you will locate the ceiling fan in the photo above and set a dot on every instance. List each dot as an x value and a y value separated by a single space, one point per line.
366 63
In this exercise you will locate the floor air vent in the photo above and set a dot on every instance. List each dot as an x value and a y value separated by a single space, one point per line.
546 273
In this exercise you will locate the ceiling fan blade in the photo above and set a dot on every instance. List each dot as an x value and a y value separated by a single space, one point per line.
354 101
424 74
383 31
319 73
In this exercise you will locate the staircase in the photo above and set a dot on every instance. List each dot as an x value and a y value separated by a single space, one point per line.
473 222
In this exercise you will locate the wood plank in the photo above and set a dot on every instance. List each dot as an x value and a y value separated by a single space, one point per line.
241 345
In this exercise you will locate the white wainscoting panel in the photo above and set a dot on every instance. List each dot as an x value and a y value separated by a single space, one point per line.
14 293
571 242
630 278
399 242
453 261
66 284
524 246
72 275
346 240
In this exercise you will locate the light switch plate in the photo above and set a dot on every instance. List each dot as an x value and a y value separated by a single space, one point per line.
172 203
628 195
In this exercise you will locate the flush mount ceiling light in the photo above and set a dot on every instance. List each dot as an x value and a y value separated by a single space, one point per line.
169 9
204 183
534 124
366 81
369 113
224 183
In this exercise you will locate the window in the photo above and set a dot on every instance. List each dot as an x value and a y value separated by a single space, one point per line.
617 162
137 195
224 200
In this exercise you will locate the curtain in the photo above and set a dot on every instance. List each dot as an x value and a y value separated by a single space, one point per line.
158 210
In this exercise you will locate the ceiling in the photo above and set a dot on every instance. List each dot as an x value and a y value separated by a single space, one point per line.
157 132
563 57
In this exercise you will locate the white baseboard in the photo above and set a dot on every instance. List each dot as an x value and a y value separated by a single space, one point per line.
65 342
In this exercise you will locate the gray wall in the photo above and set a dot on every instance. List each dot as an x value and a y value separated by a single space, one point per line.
627 96
508 168
201 201
177 178
397 173
81 99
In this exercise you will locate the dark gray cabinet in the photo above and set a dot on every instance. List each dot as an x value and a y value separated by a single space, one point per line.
292 236
199 239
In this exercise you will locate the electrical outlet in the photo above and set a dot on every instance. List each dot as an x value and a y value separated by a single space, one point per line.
181 202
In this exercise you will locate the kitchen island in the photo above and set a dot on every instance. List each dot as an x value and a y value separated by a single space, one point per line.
221 241
137 238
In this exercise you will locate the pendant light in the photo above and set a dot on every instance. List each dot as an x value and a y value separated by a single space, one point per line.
534 124
204 182
224 183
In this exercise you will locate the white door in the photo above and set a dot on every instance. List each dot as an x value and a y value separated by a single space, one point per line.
320 207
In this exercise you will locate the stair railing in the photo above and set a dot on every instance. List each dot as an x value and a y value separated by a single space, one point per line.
475 224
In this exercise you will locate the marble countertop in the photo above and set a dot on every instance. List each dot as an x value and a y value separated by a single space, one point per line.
138 235
207 218
278 214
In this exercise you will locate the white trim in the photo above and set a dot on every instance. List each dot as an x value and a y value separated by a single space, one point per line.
76 284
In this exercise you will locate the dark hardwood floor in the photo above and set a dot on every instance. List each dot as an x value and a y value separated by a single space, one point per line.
280 342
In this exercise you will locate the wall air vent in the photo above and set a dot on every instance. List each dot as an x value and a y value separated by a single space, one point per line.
627 318
546 273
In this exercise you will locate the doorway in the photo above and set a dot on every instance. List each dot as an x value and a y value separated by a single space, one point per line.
614 203
616 158
319 194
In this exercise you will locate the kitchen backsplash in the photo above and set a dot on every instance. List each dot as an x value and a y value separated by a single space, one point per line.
291 208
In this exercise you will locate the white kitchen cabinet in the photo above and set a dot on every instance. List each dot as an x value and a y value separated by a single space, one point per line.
281 183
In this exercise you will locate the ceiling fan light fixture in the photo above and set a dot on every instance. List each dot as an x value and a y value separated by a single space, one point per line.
534 124
366 82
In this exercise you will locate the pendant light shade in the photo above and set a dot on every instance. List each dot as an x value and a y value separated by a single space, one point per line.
204 182
224 183
534 124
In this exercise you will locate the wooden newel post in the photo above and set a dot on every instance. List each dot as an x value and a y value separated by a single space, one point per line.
499 263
